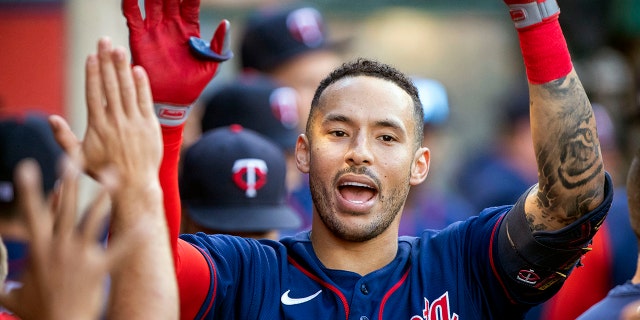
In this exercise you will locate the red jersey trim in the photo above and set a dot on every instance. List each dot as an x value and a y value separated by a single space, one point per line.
493 265
391 291
324 284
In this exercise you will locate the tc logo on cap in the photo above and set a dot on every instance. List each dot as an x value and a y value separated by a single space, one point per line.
250 175
284 104
305 25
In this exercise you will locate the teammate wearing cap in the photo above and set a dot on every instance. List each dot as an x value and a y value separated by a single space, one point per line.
259 103
22 138
243 192
362 151
290 44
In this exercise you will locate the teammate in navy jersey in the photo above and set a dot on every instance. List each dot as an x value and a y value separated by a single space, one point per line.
362 151
612 305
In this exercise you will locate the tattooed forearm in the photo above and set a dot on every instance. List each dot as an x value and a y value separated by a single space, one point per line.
567 152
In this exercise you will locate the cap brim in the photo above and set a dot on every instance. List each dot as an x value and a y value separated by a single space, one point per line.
245 219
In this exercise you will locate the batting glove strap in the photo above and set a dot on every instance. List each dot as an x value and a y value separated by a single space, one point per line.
528 14
541 260
171 115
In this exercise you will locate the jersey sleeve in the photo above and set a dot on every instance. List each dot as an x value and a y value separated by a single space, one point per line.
244 276
172 139
192 270
532 266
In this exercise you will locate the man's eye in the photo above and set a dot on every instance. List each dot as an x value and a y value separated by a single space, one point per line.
387 138
339 133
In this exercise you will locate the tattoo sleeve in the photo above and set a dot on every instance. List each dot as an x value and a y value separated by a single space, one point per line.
570 168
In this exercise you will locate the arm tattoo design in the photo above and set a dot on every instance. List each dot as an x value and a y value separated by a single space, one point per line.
571 161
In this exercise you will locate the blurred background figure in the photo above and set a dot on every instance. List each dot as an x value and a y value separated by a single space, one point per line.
233 182
498 173
428 205
261 104
290 44
22 138
629 292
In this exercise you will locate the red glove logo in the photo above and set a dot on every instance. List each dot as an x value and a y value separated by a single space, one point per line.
164 44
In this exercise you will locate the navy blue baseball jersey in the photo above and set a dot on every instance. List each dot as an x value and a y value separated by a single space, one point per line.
465 271
611 306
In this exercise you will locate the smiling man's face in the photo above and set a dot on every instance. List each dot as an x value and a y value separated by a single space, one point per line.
361 156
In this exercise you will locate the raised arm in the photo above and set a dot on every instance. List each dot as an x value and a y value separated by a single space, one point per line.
571 177
546 233
167 44
123 138
180 64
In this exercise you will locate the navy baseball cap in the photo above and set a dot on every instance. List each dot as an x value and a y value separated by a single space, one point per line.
274 35
233 179
22 138
256 102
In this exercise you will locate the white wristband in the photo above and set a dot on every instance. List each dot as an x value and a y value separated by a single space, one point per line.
528 14
170 115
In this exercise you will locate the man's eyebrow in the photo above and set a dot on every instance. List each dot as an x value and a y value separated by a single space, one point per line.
336 118
389 124
386 123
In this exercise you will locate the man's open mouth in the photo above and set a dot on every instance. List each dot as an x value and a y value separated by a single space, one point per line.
357 192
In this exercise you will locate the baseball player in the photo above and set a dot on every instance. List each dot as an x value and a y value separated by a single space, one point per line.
362 150
614 303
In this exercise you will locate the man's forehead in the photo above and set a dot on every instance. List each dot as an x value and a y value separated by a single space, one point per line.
370 85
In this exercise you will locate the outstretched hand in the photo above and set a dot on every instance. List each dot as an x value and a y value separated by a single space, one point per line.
123 133
167 44
68 266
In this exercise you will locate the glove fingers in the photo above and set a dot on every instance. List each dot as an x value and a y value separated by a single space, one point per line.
171 8
218 50
131 12
153 9
189 10
220 40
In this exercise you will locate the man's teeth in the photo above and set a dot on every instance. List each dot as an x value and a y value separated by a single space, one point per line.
356 184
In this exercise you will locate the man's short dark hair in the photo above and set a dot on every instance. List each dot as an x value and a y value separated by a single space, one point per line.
372 68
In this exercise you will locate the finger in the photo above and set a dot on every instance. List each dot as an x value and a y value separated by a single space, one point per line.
143 88
95 217
153 10
63 135
125 80
218 50
171 8
31 201
4 268
65 216
109 78
132 13
190 11
220 41
94 93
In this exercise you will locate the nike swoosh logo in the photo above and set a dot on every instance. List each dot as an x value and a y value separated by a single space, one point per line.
286 300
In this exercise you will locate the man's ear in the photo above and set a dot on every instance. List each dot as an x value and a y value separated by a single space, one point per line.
303 153
420 167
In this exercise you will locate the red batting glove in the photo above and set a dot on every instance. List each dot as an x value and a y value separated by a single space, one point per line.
526 13
167 44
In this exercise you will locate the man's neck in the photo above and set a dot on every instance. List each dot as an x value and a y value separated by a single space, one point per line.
359 257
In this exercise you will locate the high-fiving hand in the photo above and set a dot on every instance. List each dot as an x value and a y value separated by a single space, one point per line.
167 44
